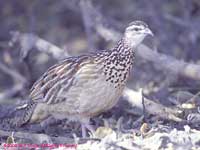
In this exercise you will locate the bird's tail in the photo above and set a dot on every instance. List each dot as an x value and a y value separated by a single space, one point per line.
20 116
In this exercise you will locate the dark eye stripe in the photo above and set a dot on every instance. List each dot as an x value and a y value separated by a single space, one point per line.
136 29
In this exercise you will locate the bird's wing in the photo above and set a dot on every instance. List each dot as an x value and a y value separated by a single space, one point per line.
58 78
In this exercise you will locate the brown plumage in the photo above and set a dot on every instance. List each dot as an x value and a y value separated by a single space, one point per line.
79 88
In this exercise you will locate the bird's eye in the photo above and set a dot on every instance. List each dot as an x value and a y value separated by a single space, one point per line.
137 29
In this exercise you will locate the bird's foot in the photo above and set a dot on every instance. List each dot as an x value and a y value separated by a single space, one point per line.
88 127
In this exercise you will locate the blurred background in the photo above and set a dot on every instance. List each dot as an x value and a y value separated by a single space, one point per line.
71 25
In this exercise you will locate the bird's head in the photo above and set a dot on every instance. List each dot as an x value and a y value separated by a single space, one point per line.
136 32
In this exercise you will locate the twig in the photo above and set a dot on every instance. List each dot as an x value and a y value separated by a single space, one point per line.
87 20
176 20
169 63
21 81
12 73
9 93
28 41
135 98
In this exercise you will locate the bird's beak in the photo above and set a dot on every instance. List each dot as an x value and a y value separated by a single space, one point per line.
148 31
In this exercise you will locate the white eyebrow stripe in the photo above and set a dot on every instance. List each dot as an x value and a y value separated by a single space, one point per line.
134 26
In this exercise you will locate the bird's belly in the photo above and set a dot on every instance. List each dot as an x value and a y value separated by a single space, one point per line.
99 97
88 99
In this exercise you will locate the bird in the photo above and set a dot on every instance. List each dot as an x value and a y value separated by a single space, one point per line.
81 87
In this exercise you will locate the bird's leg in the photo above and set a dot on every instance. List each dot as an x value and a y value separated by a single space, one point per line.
89 127
83 129
85 124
